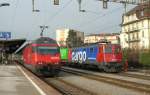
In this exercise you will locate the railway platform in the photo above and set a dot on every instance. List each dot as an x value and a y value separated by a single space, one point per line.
15 81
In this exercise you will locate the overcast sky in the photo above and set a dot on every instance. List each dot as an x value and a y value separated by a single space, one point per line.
19 19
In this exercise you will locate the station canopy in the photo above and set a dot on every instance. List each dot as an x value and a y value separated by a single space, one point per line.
10 46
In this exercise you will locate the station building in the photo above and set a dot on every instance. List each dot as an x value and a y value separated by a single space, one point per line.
135 25
8 47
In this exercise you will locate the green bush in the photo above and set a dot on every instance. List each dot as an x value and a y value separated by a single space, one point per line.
137 58
144 58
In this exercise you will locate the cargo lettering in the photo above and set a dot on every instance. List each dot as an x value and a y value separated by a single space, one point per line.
79 56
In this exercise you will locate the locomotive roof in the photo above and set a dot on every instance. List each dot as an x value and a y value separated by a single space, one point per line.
95 44
41 40
45 40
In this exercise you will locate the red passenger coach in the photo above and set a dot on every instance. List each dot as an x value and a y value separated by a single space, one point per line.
42 56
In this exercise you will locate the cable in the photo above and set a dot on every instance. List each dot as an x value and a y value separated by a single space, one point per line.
103 24
97 18
53 16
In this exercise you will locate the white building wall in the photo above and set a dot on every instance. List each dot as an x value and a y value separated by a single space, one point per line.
123 40
96 38
61 36
137 30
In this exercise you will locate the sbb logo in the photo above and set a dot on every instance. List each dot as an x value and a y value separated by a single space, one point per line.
79 56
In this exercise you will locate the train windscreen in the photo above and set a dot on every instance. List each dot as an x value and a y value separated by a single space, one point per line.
117 50
46 50
108 49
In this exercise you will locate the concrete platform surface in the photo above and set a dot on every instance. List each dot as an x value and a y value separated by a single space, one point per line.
13 82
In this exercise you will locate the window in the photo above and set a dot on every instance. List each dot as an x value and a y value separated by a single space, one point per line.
91 50
117 50
84 49
137 25
99 49
142 33
137 36
133 27
46 50
133 36
147 11
142 23
108 49
142 13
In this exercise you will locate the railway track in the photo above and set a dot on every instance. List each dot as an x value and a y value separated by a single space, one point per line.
60 85
67 88
119 82
138 76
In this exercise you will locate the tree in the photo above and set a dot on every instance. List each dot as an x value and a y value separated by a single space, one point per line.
73 40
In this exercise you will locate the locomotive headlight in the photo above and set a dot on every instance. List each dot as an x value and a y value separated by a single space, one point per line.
54 58
56 63
39 62
114 60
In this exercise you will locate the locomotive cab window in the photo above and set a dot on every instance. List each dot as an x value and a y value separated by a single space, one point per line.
84 49
46 50
117 50
99 50
34 49
108 49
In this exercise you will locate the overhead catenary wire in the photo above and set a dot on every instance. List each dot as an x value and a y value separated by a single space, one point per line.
101 24
50 18
110 12
58 12
53 16
89 22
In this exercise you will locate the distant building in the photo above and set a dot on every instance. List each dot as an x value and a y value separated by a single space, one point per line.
63 34
93 38
135 25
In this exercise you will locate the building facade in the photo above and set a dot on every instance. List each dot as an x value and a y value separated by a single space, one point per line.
135 25
63 34
93 38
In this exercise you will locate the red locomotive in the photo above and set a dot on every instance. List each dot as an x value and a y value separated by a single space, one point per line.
42 56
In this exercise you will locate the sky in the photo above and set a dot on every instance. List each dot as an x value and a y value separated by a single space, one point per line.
19 19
